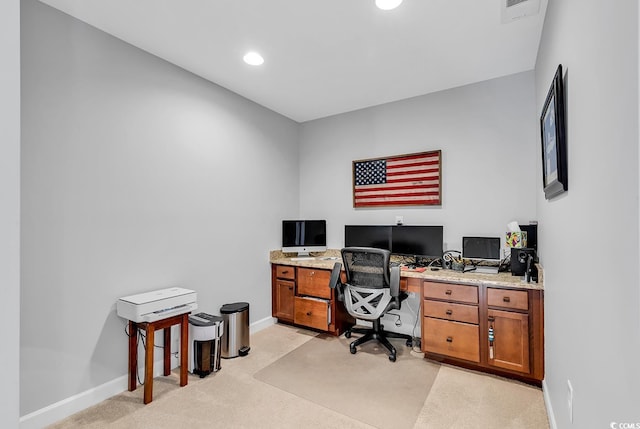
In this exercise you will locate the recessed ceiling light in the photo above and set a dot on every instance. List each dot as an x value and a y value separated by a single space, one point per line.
388 4
253 58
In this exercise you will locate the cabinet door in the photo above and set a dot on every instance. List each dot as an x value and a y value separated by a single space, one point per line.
455 339
314 282
313 313
511 340
285 299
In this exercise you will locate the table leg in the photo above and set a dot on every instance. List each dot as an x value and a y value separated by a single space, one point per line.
148 364
133 355
184 348
167 351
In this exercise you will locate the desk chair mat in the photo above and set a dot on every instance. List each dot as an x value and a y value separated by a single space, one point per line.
364 386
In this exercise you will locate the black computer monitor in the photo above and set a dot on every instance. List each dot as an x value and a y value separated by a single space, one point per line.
481 248
424 241
378 236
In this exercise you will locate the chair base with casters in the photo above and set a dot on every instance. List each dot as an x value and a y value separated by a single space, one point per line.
378 333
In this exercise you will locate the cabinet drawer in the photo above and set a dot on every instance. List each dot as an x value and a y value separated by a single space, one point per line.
455 339
451 292
508 298
314 282
312 313
285 272
451 311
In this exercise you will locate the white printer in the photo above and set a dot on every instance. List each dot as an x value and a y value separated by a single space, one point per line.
157 304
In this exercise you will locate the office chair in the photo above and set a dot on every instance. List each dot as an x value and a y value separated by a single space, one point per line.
371 290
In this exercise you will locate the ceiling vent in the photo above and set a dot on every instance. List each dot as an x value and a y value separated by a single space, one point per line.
513 10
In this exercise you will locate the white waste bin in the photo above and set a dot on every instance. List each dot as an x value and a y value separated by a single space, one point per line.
205 343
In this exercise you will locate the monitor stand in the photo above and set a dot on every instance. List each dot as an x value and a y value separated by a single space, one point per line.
303 256
484 269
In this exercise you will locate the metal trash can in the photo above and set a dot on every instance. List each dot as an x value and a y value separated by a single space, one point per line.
205 334
235 341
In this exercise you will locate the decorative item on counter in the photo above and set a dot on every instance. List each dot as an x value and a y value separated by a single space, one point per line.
452 259
515 237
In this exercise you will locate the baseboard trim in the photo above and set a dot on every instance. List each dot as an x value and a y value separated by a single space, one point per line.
259 325
66 407
547 403
62 409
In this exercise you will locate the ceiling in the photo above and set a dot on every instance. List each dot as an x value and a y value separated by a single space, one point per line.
325 57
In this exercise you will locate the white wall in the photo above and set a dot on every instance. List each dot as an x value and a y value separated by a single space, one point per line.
136 175
589 235
10 212
489 139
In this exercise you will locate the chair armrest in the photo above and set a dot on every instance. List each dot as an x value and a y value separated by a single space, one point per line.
334 281
395 282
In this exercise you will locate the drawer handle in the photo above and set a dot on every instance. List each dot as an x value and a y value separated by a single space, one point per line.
285 272
449 312
290 287
308 313
448 292
506 299
312 273
449 339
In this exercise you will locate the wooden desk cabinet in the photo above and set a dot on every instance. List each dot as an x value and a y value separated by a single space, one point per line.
302 296
457 320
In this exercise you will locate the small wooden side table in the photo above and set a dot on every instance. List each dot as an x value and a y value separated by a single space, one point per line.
150 328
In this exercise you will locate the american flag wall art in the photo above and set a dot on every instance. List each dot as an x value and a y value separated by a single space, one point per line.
404 180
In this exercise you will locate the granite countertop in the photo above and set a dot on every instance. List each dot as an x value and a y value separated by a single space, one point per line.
326 261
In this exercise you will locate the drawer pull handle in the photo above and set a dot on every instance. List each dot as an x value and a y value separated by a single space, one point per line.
448 292
449 339
308 313
285 272
449 312
290 287
312 273
506 299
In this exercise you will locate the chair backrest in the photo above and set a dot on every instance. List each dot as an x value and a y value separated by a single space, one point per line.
366 266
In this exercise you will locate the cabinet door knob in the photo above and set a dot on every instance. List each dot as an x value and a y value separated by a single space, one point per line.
308 313
449 312
290 287
312 273
506 299
491 319
449 339
448 292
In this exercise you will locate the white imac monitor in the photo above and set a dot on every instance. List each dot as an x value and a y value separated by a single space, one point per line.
304 236
482 249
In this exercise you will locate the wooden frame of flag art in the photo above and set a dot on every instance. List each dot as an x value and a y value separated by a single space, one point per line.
414 179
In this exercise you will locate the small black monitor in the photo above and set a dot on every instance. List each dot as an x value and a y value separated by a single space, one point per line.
418 240
378 236
481 248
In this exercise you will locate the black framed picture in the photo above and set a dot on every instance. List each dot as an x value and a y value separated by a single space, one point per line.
554 144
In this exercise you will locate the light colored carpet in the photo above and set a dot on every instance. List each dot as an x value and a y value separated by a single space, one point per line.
235 398
365 386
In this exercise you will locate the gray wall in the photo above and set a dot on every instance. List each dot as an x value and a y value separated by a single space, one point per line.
489 139
10 212
589 236
136 175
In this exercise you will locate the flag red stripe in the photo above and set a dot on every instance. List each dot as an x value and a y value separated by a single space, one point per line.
395 187
399 202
